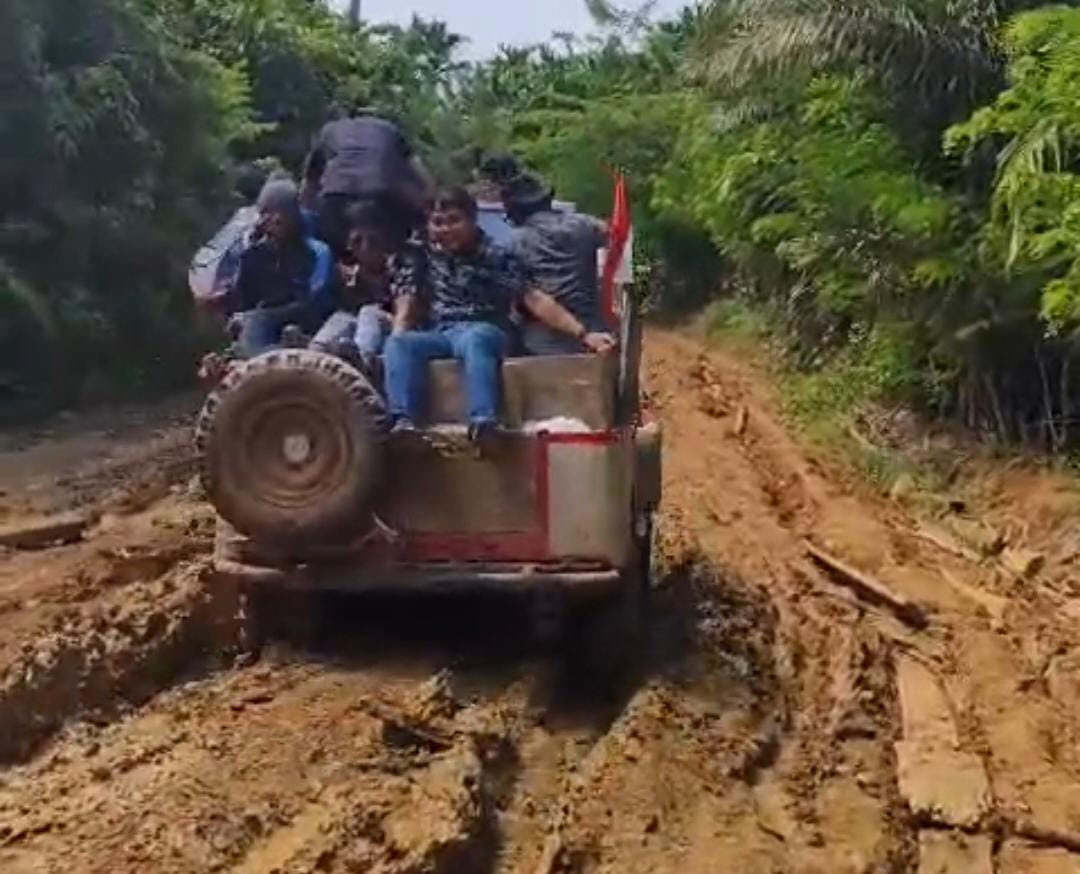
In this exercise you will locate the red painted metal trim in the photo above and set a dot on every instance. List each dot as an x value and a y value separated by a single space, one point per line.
542 484
526 546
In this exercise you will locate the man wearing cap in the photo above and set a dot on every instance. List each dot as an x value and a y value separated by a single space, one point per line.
560 251
285 276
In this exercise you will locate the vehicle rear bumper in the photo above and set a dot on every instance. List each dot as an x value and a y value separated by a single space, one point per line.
426 579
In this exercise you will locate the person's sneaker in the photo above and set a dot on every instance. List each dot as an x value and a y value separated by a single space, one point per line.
370 366
292 337
345 350
404 426
485 436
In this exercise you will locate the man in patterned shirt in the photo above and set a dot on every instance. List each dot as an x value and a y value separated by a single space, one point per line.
464 287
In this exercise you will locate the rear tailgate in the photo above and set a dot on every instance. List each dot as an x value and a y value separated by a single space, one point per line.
546 498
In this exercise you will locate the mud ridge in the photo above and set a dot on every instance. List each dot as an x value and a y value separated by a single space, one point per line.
222 774
95 663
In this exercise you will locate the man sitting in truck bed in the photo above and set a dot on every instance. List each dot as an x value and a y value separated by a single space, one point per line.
465 287
285 276
560 251
361 323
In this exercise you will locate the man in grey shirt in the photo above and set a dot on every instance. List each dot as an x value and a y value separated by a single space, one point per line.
560 250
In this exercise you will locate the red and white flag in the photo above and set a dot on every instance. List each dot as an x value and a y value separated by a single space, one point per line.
620 244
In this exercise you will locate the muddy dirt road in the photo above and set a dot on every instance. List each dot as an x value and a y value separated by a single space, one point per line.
912 708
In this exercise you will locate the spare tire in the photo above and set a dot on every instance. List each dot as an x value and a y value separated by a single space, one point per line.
291 448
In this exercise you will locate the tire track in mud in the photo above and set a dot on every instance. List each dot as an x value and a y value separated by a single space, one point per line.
115 656
372 767
1000 673
716 761
746 495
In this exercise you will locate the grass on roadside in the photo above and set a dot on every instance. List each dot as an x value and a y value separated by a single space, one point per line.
873 370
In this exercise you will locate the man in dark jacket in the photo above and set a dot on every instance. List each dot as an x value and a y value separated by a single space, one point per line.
285 276
365 160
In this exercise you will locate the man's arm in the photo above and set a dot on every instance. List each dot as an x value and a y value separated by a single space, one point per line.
316 161
322 287
406 313
551 313
600 229
406 272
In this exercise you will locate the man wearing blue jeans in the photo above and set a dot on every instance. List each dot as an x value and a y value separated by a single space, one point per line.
465 287
284 277
362 321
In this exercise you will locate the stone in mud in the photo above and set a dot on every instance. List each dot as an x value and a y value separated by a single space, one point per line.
1018 857
927 716
40 533
947 852
942 786
940 783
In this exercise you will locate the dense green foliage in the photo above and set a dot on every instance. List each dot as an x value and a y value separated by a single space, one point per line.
121 124
894 183
113 141
1036 199
892 186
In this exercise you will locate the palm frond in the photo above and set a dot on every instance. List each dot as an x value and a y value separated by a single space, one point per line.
1036 151
743 41
607 14
14 289
729 116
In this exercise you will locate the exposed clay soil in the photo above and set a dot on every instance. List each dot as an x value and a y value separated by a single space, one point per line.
782 722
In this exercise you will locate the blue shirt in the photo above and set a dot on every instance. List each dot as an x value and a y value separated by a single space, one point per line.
480 286
272 276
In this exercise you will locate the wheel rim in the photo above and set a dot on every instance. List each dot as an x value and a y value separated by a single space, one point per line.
291 454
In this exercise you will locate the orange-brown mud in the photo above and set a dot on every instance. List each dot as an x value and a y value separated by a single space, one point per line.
782 723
